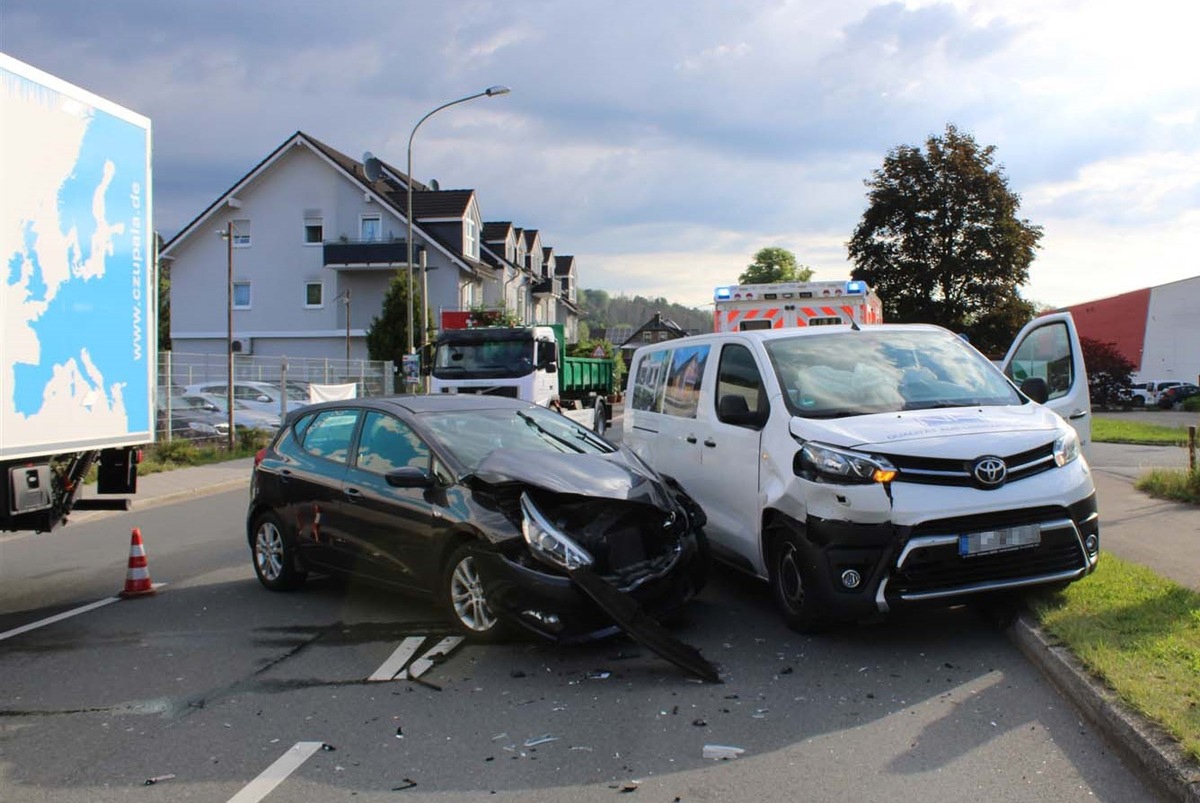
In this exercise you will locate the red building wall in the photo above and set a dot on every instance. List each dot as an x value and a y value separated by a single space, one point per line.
1120 320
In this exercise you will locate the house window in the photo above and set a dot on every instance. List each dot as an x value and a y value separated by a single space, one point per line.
314 231
471 238
370 228
647 337
314 295
241 295
241 234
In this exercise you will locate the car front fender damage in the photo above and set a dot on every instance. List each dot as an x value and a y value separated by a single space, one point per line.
642 627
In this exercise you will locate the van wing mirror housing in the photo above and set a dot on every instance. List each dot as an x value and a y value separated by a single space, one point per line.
733 409
1036 388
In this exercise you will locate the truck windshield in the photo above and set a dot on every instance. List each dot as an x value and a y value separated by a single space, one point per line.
875 371
491 359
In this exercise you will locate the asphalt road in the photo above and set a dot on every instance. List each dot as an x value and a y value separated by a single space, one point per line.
212 681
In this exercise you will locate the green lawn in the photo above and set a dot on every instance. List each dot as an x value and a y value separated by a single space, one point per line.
1140 633
1118 430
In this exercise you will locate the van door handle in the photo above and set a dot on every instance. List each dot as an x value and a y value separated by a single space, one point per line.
690 439
710 443
1078 414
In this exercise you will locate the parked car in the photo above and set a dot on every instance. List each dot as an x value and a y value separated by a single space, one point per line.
191 418
508 514
243 416
262 396
1168 398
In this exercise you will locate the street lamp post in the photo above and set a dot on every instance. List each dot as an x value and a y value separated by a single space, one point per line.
228 235
489 92
346 298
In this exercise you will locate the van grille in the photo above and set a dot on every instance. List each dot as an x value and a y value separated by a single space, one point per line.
939 471
938 568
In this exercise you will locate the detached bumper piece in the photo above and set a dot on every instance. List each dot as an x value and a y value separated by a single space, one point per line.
642 627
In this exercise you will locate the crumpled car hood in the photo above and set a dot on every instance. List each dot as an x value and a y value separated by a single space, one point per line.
619 475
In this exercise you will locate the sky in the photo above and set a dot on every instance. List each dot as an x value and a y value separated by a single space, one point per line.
663 143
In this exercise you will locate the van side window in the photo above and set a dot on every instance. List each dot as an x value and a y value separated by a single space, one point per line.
648 379
739 385
681 396
1046 353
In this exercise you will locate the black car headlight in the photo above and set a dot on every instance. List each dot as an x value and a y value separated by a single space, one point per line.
819 461
547 543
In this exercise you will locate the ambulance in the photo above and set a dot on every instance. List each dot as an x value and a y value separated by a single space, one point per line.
782 305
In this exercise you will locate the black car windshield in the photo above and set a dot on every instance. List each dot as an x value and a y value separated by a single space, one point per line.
470 435
884 370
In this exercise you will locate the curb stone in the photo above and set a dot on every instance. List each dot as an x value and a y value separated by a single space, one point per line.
1143 745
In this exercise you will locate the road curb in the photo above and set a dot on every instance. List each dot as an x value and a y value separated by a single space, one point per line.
1144 746
142 503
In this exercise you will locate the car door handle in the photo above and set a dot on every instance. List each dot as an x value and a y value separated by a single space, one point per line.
710 443
690 439
285 475
353 494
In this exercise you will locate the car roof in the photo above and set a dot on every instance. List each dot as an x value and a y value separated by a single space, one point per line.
423 403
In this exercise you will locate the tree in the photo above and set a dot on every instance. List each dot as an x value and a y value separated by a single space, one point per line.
774 265
993 331
940 240
1108 371
164 297
387 336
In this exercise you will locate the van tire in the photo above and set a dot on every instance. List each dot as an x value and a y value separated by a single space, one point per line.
792 580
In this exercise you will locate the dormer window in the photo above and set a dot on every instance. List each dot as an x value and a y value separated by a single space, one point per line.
471 238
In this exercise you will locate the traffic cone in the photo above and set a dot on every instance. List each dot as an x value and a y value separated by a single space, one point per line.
137 577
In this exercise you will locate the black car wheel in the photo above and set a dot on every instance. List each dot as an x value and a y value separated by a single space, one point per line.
274 554
465 596
600 420
791 580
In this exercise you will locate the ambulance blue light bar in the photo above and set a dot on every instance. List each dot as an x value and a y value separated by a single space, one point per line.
856 288
722 293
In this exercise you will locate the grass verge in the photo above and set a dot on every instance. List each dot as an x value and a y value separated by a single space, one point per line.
1114 430
1140 634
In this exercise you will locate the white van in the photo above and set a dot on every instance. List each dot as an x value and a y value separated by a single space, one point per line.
859 469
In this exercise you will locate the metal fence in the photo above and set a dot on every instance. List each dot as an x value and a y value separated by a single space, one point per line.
179 373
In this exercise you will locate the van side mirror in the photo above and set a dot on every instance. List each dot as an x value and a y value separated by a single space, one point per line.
1036 388
733 409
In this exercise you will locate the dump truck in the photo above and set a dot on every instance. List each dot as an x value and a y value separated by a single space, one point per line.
523 362
78 335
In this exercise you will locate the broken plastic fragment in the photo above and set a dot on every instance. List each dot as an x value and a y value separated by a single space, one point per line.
721 752
600 675
407 783
534 742
157 778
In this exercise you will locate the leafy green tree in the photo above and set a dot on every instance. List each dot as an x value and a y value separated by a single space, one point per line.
774 265
387 336
1108 371
993 331
940 240
164 298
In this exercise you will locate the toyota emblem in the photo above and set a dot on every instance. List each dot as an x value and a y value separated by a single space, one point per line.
989 471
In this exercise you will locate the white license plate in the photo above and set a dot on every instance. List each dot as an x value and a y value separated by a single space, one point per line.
988 541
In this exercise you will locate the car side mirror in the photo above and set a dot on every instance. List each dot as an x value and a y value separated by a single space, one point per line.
1036 388
409 477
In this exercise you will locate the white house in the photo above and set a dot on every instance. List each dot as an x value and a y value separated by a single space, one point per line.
315 244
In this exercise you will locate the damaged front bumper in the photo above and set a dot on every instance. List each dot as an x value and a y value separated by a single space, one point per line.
554 607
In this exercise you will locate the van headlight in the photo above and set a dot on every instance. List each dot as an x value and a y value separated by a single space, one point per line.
833 464
1066 447
547 543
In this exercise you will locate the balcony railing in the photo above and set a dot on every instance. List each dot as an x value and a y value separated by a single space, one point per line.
377 253
543 287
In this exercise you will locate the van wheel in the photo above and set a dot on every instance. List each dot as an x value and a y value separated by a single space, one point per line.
275 560
600 420
465 597
792 580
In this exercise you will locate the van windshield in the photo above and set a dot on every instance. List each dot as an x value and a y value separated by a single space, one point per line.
876 371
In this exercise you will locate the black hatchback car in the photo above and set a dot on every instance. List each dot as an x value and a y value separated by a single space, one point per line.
497 508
